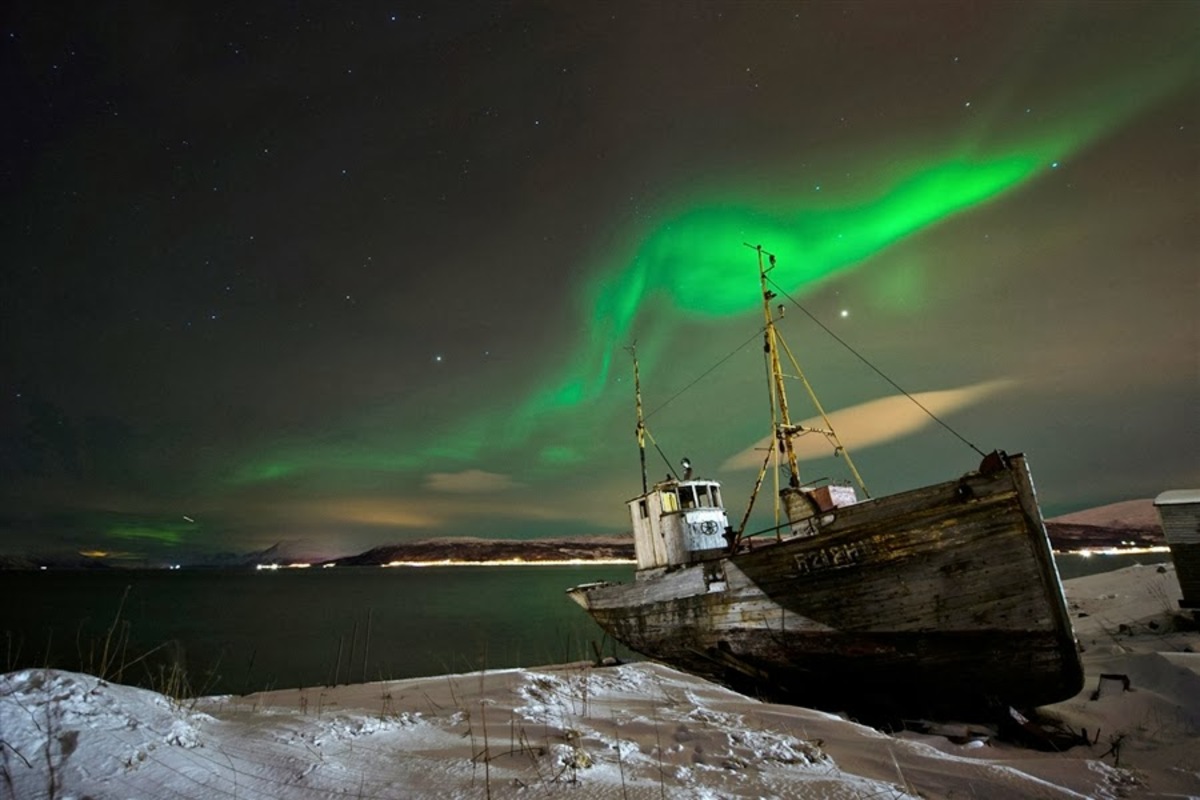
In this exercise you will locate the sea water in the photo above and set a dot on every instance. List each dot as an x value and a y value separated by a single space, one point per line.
239 631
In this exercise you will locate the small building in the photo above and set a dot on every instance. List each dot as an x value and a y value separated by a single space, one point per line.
1179 510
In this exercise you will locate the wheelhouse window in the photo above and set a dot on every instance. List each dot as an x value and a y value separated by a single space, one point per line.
687 496
704 495
669 501
700 495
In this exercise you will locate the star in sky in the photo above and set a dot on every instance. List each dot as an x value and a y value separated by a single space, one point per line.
235 238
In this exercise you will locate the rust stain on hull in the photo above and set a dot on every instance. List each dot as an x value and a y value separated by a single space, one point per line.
944 599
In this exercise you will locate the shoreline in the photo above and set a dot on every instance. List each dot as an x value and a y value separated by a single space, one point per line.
1081 552
636 730
575 562
450 562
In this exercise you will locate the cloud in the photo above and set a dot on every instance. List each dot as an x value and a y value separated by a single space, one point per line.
873 423
391 514
469 481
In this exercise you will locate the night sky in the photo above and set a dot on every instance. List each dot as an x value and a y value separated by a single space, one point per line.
348 274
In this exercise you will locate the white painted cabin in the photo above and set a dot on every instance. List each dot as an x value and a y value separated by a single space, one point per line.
677 520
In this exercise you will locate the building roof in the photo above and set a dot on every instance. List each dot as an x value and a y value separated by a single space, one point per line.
1175 497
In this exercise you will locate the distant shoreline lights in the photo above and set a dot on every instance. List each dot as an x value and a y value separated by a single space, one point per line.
1088 552
511 562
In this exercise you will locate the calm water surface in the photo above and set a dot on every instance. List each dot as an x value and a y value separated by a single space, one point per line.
237 631
1073 565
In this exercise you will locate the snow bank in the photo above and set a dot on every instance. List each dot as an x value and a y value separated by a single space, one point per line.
632 731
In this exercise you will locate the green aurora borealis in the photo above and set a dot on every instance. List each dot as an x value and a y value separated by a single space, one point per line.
349 282
696 262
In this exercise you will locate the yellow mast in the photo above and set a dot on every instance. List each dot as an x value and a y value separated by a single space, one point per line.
781 421
783 438
641 421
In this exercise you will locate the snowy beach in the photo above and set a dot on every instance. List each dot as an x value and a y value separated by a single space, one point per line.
637 730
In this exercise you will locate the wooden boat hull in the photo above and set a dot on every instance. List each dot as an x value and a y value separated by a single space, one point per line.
939 600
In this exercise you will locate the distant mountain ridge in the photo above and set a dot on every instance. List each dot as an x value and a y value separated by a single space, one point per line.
467 549
1132 514
68 561
283 552
1131 523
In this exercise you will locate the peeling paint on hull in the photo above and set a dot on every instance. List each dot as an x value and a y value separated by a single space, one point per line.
943 599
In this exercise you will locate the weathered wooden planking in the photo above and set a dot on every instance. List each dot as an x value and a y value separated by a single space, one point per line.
948 591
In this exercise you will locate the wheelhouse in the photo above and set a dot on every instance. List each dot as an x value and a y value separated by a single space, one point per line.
678 522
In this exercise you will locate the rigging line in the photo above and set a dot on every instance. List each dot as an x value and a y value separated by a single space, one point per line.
829 431
667 461
876 369
704 375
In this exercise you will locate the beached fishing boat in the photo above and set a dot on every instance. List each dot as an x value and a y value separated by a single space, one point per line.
939 600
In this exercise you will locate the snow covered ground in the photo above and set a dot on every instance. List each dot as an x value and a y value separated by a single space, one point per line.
633 731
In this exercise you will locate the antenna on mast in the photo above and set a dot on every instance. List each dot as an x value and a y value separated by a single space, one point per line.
771 344
641 421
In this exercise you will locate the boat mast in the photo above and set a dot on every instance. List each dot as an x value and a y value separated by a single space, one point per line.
782 438
641 422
